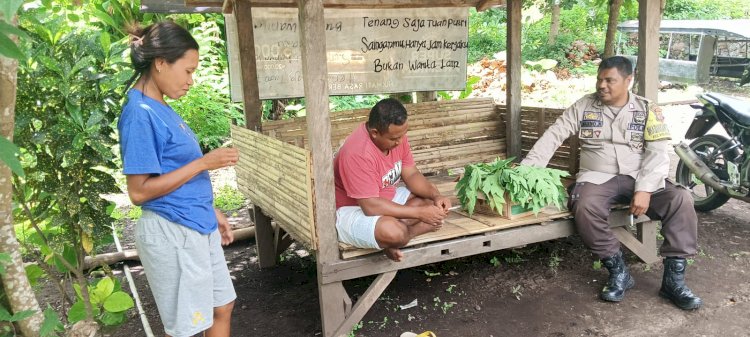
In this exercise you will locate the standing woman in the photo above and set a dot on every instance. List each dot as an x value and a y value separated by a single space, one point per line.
180 233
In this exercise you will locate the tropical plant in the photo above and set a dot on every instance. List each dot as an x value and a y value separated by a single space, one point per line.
68 99
487 33
530 187
107 300
207 107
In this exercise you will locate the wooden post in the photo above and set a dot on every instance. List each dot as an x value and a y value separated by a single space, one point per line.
264 239
513 83
649 20
250 91
426 96
334 302
704 59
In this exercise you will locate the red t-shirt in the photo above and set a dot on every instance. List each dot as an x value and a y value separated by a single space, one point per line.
361 170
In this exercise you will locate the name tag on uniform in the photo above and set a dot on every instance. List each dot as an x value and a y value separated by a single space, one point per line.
592 124
636 127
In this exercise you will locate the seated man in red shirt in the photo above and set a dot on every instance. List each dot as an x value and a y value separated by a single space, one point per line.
370 211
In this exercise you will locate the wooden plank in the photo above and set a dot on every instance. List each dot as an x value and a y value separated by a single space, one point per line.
646 234
250 91
365 302
334 304
647 254
649 19
366 4
447 250
513 72
458 224
315 73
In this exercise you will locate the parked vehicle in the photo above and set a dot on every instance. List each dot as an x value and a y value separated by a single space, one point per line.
714 167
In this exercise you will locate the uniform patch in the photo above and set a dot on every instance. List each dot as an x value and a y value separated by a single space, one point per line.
636 127
587 133
636 146
655 127
592 116
636 137
639 117
591 124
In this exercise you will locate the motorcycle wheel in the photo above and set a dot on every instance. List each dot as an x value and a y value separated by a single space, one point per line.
705 198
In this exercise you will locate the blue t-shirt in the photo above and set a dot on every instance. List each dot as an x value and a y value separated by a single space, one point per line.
155 140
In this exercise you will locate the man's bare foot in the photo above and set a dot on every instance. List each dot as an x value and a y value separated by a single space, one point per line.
394 254
422 228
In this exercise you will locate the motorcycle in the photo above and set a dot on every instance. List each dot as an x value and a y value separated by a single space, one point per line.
714 167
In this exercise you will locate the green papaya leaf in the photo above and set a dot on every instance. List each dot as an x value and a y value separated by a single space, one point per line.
102 290
118 302
77 312
51 324
113 318
34 273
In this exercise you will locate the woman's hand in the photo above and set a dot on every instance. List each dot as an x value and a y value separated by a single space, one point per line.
225 229
221 157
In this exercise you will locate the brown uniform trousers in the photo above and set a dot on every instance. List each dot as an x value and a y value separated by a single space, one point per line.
673 205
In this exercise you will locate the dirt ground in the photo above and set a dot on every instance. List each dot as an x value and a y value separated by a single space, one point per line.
545 289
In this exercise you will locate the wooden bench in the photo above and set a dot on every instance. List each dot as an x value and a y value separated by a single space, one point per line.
274 172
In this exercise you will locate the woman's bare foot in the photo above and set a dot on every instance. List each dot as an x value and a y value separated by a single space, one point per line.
394 254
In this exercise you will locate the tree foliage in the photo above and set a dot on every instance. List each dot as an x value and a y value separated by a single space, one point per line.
69 95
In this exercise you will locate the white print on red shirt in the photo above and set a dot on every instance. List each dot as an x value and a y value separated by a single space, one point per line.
393 175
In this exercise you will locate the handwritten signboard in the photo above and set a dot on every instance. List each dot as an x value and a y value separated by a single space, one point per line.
369 51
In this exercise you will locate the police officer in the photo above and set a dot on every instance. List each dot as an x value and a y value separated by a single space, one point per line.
624 159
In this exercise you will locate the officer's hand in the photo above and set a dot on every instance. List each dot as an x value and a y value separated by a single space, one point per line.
640 203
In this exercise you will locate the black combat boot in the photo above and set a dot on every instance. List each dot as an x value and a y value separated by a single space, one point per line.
619 279
673 285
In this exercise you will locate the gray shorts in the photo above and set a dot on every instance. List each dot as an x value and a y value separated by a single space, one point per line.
186 271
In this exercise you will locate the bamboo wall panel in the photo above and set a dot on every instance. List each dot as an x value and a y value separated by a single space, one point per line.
276 176
564 158
442 134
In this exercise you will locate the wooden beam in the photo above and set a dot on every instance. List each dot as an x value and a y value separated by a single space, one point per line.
362 4
250 91
365 302
649 20
335 304
484 4
265 242
446 250
315 77
513 82
228 7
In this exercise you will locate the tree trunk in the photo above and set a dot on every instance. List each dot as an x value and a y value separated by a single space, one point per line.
278 108
614 15
15 283
554 27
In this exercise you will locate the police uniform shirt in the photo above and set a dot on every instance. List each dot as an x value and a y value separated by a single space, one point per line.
631 140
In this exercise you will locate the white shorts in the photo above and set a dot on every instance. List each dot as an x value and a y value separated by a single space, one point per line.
357 229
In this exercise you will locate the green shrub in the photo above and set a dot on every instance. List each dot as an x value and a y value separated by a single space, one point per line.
706 9
207 107
487 33
228 199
